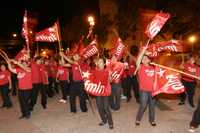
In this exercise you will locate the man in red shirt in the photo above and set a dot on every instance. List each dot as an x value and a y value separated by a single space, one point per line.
24 76
77 85
189 82
5 85
37 83
63 78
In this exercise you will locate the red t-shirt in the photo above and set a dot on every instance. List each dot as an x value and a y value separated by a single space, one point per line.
4 76
24 79
76 72
44 74
146 76
191 69
131 68
36 73
63 73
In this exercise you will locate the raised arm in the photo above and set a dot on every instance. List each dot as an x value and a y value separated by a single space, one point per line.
27 69
68 59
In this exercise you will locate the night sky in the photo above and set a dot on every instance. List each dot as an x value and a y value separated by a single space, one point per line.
47 11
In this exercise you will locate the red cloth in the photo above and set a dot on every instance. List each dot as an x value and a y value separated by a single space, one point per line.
156 24
63 73
146 76
191 69
24 79
36 73
97 83
116 69
167 81
4 76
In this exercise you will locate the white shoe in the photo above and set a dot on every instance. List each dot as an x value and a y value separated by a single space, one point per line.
62 101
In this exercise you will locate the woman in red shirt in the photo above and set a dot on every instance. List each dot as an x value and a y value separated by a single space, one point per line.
103 101
146 81
24 76
5 85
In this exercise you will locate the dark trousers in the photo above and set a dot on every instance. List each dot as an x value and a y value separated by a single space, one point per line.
115 96
146 100
4 89
77 89
104 109
196 116
24 98
50 89
65 89
14 84
34 95
130 82
189 91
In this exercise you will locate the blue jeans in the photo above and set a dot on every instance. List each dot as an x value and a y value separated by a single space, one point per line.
115 96
146 100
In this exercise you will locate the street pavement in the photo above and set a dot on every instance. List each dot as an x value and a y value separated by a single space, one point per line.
170 118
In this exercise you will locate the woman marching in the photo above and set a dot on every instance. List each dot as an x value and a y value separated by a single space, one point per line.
5 85
103 101
146 80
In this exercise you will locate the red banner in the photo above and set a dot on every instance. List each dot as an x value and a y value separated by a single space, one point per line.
167 81
119 49
95 85
156 24
22 55
47 35
116 69
170 46
90 50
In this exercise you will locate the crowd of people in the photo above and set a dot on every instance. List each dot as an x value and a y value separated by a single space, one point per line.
45 76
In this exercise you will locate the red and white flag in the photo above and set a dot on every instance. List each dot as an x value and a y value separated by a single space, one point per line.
156 24
22 55
97 85
167 81
119 49
90 50
170 46
48 35
116 70
25 30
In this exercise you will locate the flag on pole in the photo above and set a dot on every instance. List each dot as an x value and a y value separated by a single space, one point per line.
156 24
22 55
167 81
25 31
90 50
48 35
97 83
170 46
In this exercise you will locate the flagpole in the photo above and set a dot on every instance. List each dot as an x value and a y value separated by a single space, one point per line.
140 56
172 69
58 35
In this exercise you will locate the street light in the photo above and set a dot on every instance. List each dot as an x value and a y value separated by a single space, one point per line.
90 19
192 39
14 35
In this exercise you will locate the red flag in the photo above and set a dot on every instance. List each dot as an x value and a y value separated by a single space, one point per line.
22 55
25 31
48 35
90 50
116 69
156 24
171 46
167 81
97 85
119 49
